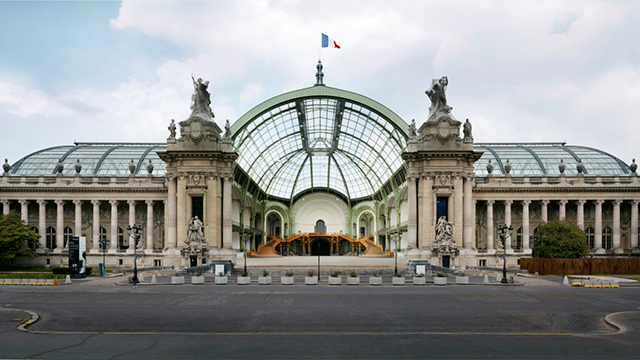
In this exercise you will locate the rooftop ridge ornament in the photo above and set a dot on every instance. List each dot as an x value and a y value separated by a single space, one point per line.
319 74
436 94
201 99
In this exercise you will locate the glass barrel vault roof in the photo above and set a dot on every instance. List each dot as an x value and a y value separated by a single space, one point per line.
320 138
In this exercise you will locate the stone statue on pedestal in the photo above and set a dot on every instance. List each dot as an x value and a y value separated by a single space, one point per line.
201 98
412 129
195 236
172 129
436 94
227 131
444 236
466 129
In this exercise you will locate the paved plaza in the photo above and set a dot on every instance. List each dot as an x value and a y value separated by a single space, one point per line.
103 318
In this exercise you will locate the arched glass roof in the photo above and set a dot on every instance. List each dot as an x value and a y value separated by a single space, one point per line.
102 159
320 138
538 159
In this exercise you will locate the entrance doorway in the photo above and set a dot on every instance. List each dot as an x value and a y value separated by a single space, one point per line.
193 260
446 261
320 247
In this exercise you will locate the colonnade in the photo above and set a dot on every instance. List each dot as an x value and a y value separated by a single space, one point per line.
562 206
59 227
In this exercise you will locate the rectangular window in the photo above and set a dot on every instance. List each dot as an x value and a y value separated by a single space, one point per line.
442 208
204 261
197 206
157 262
48 261
482 262
120 262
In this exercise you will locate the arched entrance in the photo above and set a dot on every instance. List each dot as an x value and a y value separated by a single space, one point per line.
320 247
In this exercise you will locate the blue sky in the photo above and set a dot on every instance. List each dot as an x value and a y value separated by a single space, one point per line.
120 71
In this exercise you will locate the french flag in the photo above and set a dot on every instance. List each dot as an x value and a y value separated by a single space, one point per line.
328 42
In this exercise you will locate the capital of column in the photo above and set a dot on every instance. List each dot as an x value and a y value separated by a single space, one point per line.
148 202
425 175
412 176
213 175
95 202
59 202
635 202
77 202
582 202
41 202
508 202
618 201
599 202
131 202
545 202
564 202
23 202
226 176
113 202
4 202
491 202
526 202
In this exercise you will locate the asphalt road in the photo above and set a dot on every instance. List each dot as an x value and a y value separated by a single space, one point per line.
302 322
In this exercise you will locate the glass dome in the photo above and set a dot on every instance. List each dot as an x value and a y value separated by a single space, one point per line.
538 159
320 138
102 159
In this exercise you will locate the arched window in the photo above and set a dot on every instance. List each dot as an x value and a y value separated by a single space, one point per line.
51 238
122 245
591 237
606 238
35 230
68 233
103 236
535 231
320 226
518 244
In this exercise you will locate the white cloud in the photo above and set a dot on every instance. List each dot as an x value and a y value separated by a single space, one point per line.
252 92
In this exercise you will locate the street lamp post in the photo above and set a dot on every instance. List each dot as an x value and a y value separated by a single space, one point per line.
134 231
504 233
534 242
396 236
104 243
245 238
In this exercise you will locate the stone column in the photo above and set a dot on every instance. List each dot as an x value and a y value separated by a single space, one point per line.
458 215
212 213
226 213
413 212
507 220
467 234
563 209
543 210
77 231
634 223
5 206
427 223
598 228
171 212
149 224
96 224
580 216
490 235
616 227
525 224
60 224
42 222
181 211
113 245
24 210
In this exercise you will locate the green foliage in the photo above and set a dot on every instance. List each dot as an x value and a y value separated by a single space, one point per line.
16 238
561 240
265 273
353 273
336 273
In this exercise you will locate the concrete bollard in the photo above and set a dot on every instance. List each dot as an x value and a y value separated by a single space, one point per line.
498 277
486 279
565 281
67 280
141 277
153 280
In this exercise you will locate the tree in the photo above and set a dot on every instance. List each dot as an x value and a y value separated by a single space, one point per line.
560 239
16 237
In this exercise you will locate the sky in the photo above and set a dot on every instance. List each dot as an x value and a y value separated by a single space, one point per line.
520 71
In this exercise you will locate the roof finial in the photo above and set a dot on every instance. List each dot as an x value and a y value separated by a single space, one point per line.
319 74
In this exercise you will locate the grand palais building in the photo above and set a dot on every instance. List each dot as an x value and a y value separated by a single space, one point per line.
322 171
